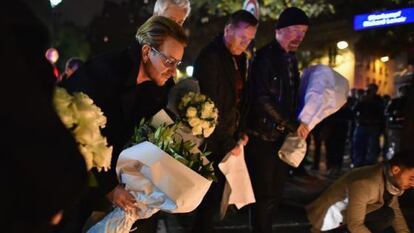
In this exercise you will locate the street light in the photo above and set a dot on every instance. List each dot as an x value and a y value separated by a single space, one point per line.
54 3
385 59
342 44
52 55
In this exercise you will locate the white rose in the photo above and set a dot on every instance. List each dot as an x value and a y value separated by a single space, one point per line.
87 133
102 155
208 131
67 117
194 121
214 114
200 98
86 110
61 98
87 156
207 110
191 112
187 99
62 102
206 113
197 130
205 124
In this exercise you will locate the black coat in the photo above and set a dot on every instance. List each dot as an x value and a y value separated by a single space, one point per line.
215 70
110 80
42 171
275 82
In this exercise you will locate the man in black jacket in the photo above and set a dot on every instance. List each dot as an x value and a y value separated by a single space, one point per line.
122 85
275 82
221 69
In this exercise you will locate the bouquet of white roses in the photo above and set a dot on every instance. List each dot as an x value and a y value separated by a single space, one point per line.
85 120
199 113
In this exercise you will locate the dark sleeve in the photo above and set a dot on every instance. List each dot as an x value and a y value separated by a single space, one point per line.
266 98
42 169
207 72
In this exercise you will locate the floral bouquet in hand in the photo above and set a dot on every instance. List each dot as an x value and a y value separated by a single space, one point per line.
198 112
85 120
162 172
167 139
322 92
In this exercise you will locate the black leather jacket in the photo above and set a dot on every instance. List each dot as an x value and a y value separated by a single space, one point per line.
274 84
215 71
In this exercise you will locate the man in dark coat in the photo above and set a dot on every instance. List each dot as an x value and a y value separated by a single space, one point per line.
42 172
221 69
122 85
275 82
369 113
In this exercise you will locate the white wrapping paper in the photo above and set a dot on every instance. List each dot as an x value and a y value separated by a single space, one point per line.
158 182
323 91
238 189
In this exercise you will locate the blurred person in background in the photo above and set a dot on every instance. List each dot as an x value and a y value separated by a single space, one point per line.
177 10
369 117
42 170
71 66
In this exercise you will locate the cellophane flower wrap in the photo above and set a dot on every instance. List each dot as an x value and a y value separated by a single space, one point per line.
199 113
85 120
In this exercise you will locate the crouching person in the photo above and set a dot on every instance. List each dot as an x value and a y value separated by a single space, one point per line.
365 199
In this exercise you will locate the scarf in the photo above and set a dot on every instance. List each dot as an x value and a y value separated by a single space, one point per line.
390 182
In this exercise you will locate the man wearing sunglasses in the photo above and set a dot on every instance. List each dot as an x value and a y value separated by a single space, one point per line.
221 69
122 85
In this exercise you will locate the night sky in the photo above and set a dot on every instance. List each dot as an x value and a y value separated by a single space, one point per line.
81 12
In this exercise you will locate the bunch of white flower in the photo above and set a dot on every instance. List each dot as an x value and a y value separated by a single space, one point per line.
199 113
79 114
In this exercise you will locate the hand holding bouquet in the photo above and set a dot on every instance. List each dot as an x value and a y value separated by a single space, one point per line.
162 171
323 91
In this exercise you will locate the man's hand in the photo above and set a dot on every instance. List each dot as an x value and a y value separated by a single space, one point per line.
244 139
236 151
303 131
122 198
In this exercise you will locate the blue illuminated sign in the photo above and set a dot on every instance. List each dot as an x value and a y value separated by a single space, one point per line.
384 19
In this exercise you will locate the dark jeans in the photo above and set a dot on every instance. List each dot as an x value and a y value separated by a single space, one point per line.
207 212
335 147
377 221
268 175
366 145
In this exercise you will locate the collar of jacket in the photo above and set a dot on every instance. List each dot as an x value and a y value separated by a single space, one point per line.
219 42
390 182
278 48
134 56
